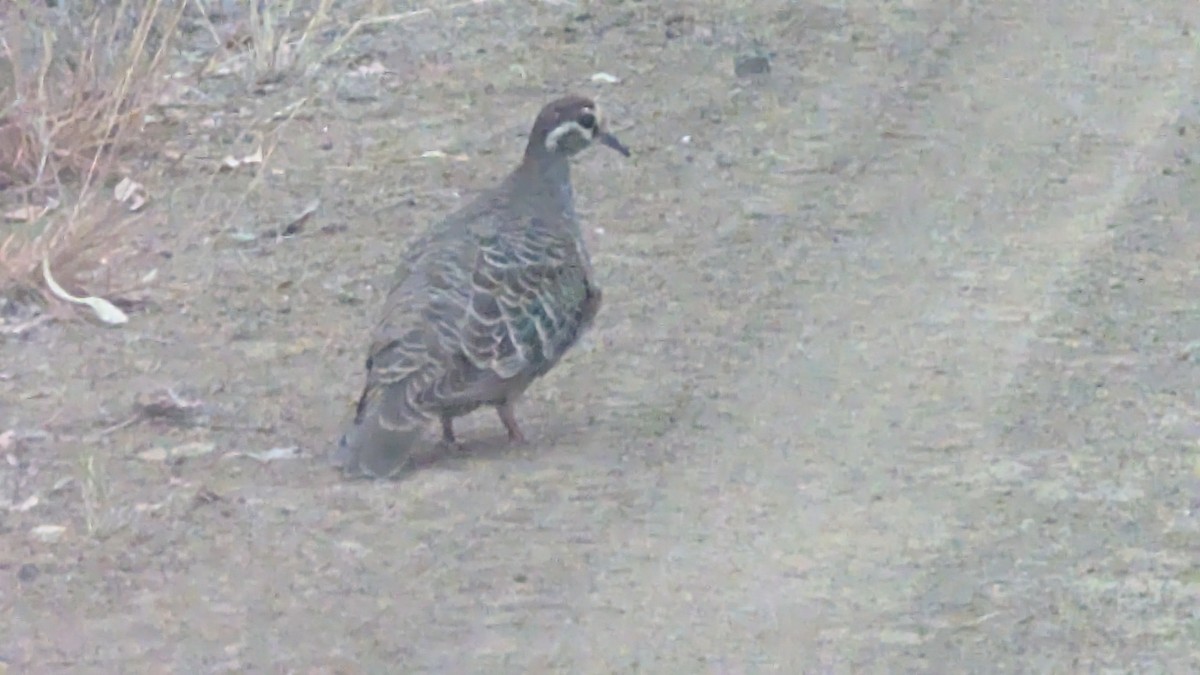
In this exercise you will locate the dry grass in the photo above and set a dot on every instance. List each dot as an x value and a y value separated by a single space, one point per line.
75 84
272 51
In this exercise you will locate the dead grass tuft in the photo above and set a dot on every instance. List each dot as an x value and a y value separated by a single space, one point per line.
75 82
274 45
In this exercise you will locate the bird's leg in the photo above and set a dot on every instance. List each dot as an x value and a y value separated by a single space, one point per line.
509 420
448 439
591 306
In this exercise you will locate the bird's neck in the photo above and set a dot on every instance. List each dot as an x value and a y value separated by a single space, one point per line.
547 177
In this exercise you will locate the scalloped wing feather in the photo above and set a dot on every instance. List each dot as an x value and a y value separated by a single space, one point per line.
527 301
473 319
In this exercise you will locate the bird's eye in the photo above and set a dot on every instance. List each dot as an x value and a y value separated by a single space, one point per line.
587 120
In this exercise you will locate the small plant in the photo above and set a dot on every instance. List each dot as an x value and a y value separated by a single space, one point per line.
272 50
93 489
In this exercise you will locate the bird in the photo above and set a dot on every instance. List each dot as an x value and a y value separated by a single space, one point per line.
483 303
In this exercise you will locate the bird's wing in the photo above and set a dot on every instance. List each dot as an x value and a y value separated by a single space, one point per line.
478 312
420 317
529 293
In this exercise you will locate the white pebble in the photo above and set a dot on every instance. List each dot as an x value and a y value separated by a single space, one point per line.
48 533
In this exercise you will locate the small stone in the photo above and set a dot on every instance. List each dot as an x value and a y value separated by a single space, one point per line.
153 455
185 451
751 64
679 25
28 572
900 637
1190 351
48 533
357 90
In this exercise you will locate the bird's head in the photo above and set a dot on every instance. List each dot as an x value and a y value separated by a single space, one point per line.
567 126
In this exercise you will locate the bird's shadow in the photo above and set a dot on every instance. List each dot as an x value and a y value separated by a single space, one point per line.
484 445
491 447
487 448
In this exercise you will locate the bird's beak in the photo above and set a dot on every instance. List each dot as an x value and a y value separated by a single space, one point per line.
612 142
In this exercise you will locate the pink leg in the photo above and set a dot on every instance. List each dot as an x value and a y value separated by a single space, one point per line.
509 419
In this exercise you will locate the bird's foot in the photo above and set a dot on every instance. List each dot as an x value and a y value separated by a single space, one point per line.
449 443
509 420
451 446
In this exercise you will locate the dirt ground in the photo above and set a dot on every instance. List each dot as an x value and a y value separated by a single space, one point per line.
898 370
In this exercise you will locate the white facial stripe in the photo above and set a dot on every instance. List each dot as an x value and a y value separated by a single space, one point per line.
553 138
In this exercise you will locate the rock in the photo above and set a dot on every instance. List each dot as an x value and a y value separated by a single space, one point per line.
185 451
357 89
28 572
48 534
755 63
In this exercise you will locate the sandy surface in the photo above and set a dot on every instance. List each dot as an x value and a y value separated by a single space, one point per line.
897 372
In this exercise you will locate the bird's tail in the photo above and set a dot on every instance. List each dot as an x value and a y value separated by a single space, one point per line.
380 440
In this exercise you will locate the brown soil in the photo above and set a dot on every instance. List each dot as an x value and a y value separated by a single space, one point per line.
897 371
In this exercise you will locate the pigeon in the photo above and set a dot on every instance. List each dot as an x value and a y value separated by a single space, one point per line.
485 302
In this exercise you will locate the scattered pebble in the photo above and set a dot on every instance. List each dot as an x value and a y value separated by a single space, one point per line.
48 534
131 193
353 547
357 90
27 505
153 455
187 450
274 454
295 225
169 405
605 78
438 154
1190 351
28 572
679 25
747 65
230 162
